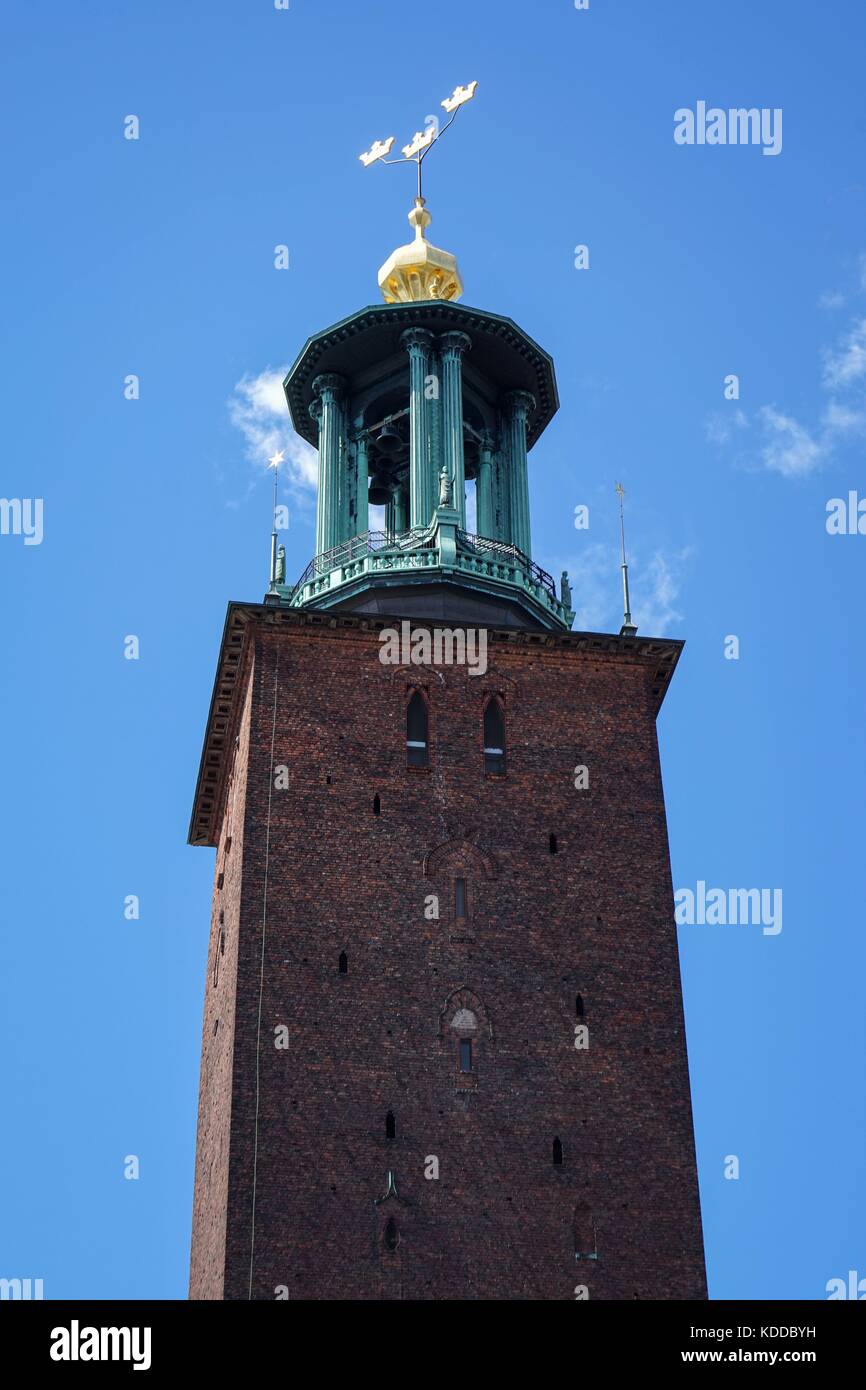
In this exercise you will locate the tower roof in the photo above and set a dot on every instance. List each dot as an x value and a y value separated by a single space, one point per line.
368 342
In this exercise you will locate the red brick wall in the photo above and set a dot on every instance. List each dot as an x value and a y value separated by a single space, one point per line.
594 918
215 1092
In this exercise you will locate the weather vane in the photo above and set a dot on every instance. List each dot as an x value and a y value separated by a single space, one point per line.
628 628
422 141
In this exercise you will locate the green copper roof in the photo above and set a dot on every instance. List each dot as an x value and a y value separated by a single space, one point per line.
501 352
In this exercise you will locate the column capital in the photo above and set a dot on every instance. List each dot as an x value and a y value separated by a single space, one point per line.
519 403
331 384
418 338
455 343
315 409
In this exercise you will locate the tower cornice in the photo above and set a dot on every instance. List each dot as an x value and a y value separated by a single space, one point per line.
499 345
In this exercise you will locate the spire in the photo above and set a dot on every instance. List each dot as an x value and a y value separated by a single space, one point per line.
275 578
628 628
420 271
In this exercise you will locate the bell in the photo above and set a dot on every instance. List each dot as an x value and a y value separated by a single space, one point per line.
388 440
378 495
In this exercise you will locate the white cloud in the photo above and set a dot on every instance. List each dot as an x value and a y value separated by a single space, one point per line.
655 592
831 299
655 587
257 407
839 418
847 366
721 425
788 447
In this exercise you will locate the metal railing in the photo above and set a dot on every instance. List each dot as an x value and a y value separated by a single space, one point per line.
357 547
509 555
422 538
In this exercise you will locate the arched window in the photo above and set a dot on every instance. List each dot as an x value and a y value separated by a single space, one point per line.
390 1126
557 1152
464 1026
494 738
377 805
392 1235
578 1006
343 963
417 754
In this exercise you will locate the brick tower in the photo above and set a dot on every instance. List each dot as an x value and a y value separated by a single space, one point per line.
443 1052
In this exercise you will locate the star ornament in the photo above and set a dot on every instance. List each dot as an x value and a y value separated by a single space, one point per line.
277 459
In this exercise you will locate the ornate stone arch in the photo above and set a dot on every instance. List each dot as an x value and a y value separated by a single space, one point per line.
464 1012
459 853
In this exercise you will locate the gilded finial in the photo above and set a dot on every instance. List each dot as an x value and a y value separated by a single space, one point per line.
420 271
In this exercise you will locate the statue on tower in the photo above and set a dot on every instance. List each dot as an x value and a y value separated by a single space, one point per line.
446 487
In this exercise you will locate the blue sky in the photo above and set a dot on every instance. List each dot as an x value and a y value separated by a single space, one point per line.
156 257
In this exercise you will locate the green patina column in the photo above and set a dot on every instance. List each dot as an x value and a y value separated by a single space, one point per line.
484 489
362 501
397 512
501 501
434 420
453 346
332 519
418 343
316 414
517 405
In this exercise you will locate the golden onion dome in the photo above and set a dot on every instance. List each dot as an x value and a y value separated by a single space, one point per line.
419 270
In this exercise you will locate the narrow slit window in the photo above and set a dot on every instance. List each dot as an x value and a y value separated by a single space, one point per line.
552 845
460 898
465 1054
392 1235
390 1126
494 738
343 963
578 1006
557 1152
377 805
585 1246
417 750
